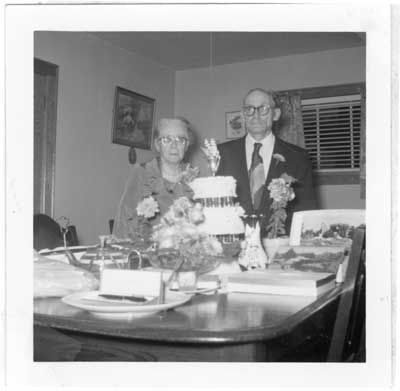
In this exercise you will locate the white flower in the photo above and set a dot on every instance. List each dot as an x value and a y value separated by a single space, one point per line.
180 229
280 190
188 231
279 157
216 245
167 242
196 215
147 208
239 210
211 245
166 237
277 188
177 212
181 205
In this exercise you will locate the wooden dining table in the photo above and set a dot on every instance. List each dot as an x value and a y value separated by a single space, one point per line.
222 326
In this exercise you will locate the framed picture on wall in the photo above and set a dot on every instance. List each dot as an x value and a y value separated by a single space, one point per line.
234 125
133 119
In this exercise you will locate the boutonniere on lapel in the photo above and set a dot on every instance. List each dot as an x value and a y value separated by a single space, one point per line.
278 158
281 192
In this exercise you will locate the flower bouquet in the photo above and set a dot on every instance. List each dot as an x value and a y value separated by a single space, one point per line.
281 192
146 210
179 235
154 202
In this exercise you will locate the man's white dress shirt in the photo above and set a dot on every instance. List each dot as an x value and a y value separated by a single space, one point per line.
266 150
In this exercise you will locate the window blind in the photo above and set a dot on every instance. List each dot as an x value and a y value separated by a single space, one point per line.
332 128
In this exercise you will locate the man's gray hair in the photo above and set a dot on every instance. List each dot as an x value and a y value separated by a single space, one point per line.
270 93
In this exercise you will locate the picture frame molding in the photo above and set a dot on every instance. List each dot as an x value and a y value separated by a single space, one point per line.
115 138
228 129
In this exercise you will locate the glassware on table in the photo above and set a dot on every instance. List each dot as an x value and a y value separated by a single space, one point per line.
252 220
133 253
192 267
167 258
187 281
64 224
103 256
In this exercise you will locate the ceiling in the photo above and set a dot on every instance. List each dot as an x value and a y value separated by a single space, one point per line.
184 50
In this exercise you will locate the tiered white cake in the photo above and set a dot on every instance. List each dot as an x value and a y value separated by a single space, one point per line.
222 216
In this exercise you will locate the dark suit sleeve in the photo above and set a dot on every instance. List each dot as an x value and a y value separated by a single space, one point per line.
304 188
222 163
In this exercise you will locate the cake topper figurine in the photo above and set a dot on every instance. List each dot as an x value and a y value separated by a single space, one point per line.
211 151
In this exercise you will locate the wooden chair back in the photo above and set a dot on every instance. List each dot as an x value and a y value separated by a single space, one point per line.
111 225
348 338
47 233
72 236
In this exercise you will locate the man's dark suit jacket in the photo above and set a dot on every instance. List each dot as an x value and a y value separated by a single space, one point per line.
297 164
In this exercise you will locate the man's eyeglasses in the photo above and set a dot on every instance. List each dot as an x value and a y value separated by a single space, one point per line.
168 140
249 111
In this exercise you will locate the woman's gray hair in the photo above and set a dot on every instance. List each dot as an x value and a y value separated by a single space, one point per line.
183 120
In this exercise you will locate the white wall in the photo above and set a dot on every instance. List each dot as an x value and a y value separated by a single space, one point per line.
90 170
203 96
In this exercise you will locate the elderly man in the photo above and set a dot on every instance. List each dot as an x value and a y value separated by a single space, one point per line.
260 156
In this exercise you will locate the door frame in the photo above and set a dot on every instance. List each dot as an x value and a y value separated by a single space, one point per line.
48 173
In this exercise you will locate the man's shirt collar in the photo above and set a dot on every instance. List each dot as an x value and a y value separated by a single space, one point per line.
267 140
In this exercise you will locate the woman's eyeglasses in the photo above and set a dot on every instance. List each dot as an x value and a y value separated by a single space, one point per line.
249 111
168 140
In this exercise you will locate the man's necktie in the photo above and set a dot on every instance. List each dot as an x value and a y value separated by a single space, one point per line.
256 176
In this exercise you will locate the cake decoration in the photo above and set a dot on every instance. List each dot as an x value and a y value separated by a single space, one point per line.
211 151
222 215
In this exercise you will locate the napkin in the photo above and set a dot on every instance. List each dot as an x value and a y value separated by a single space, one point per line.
53 278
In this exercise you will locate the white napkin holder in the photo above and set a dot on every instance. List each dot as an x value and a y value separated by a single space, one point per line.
131 282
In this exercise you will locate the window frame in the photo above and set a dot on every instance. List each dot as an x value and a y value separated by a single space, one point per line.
334 177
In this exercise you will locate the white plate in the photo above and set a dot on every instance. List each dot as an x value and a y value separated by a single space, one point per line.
90 301
198 291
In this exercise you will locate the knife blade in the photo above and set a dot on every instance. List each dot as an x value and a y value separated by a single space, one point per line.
134 298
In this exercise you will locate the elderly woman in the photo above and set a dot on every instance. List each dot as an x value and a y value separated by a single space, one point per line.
164 178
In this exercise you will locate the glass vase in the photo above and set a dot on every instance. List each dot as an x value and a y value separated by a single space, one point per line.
272 245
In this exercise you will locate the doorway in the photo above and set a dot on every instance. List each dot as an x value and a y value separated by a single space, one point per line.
45 126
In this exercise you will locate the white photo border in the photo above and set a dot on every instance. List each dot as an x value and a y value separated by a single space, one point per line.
23 20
